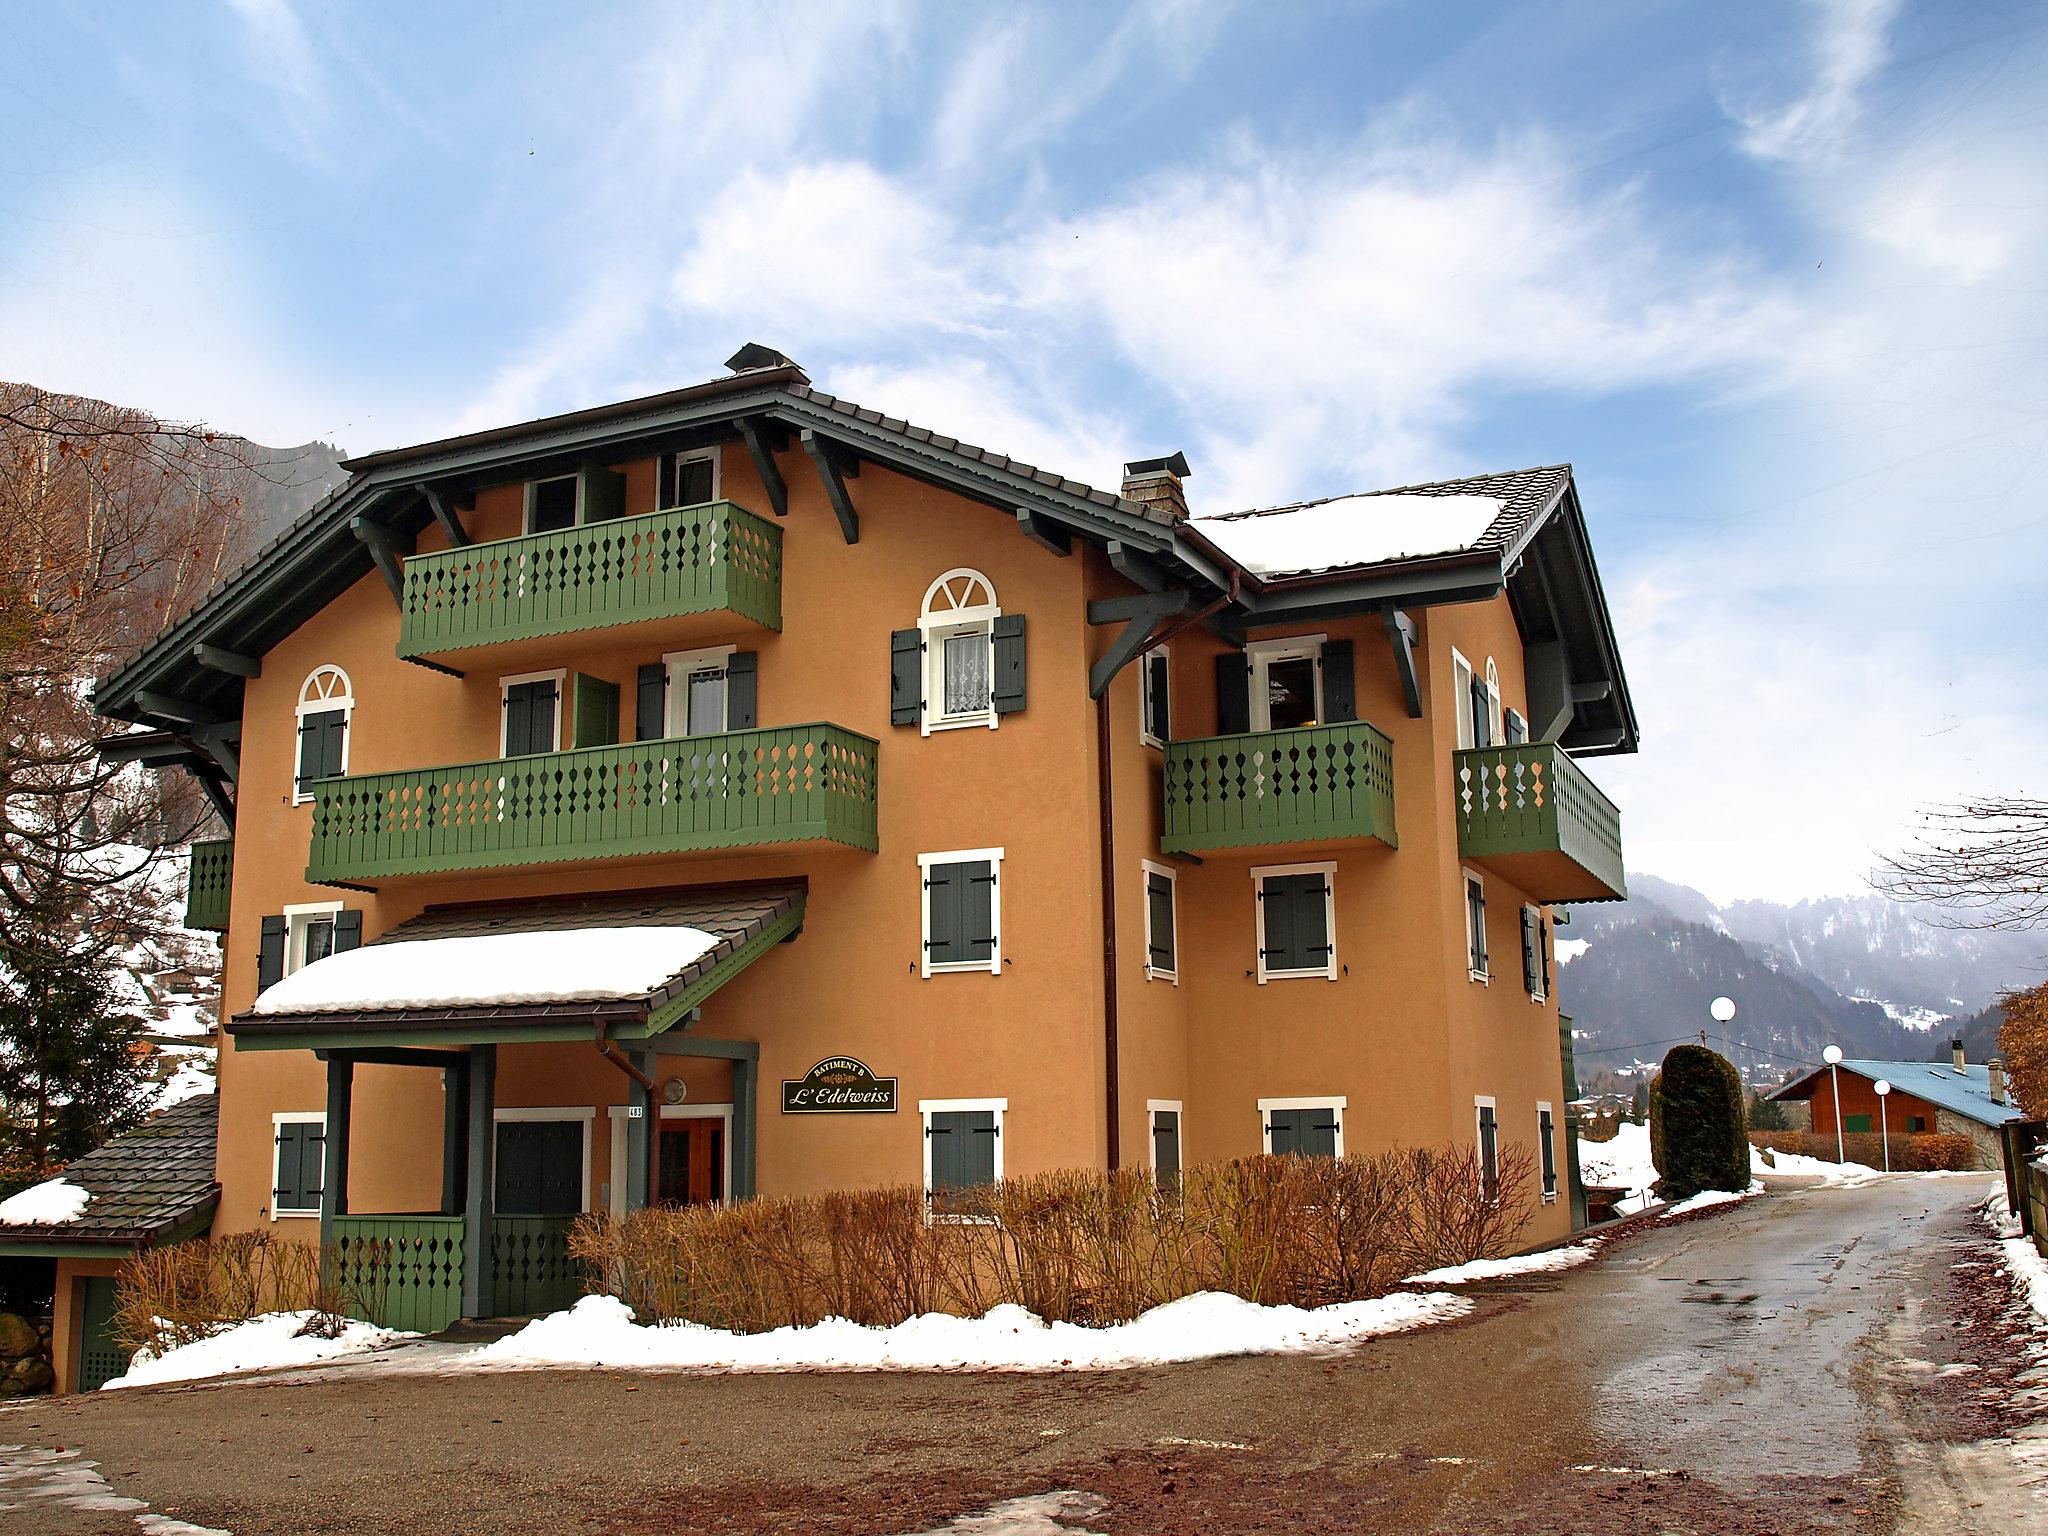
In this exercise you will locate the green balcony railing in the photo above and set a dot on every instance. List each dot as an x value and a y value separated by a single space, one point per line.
1531 813
737 789
206 884
401 1271
705 559
1315 784
531 1270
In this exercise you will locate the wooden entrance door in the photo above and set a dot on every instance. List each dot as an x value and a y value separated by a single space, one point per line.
693 1160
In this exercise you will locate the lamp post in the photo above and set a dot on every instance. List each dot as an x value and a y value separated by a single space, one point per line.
1833 1057
1884 1134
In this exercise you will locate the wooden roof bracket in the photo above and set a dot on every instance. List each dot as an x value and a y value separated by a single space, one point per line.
1401 635
760 435
387 547
835 467
445 514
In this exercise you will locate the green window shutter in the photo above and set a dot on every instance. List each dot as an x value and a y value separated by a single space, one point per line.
1482 713
942 888
1159 909
1489 1150
538 1168
946 1140
1546 1134
1340 690
597 712
664 484
977 910
906 676
1297 922
1166 1146
1475 919
604 493
1855 1123
742 672
1233 694
963 1144
348 930
1532 950
321 738
1159 701
650 703
1007 694
333 742
530 717
961 901
1514 727
981 1146
1305 1132
270 953
301 1146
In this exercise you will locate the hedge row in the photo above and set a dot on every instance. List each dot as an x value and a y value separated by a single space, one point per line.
1915 1152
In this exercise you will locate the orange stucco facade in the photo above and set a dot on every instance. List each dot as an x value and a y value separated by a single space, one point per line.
1403 1037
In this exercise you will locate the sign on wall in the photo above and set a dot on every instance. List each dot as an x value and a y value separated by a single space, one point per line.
839 1085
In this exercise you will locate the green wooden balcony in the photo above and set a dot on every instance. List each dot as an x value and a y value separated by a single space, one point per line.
206 884
737 789
714 558
1318 784
1530 814
400 1271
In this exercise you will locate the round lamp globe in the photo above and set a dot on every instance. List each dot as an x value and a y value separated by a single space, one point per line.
1722 1008
1832 1055
1882 1087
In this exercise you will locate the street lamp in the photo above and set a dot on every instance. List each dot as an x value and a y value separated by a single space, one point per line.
1884 1134
1723 1009
1833 1057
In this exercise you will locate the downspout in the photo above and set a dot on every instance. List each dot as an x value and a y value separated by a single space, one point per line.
624 1063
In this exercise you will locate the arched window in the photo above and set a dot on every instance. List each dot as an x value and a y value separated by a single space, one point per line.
1494 735
957 626
325 704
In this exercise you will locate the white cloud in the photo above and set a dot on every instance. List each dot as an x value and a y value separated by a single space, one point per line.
1849 48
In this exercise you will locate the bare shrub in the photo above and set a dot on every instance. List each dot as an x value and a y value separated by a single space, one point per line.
1452 1214
175 1295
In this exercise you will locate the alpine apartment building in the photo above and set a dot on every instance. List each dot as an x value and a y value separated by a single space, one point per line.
737 790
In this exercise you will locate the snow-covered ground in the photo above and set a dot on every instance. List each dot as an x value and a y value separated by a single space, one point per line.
51 1203
2025 1261
1796 1165
1623 1162
269 1342
601 1331
1521 1264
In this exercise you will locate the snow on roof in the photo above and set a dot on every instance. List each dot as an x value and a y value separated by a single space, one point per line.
52 1203
486 970
1350 530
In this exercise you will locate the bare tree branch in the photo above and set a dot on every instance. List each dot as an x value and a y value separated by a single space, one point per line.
1980 865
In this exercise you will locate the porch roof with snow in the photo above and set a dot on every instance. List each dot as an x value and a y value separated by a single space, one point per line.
150 1185
1964 1090
633 962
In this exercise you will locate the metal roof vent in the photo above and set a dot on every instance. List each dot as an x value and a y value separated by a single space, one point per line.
755 356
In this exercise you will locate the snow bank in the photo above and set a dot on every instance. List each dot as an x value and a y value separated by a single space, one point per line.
260 1344
600 1331
1623 1162
1799 1166
48 1204
568 965
1351 530
1521 1264
1707 1198
2026 1262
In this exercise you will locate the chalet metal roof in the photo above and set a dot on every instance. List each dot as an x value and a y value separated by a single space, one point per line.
738 913
145 1184
1965 1091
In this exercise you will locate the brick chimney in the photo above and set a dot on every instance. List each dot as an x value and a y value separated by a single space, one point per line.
1955 1048
1156 483
1997 1070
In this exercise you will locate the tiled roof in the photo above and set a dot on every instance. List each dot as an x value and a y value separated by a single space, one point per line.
1966 1092
144 1183
736 913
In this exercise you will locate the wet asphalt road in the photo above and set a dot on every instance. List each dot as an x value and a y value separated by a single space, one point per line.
1813 1360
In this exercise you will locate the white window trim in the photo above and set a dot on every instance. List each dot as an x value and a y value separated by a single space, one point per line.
1471 878
1461 689
994 963
1485 1101
617 1114
1544 1107
1537 993
1145 736
934 628
1261 654
709 456
1336 1103
1325 972
294 1117
1151 868
345 701
526 515
678 666
1494 725
550 1113
1165 1107
926 1108
295 929
559 677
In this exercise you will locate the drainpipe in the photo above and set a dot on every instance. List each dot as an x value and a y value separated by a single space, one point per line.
1108 850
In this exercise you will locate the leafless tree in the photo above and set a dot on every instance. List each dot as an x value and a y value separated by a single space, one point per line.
1979 865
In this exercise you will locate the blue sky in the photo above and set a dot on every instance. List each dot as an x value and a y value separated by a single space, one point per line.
1771 276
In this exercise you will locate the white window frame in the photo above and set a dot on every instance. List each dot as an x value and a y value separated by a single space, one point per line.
679 665
1486 1101
709 456
1150 868
937 625
994 963
1325 972
926 1108
1336 1103
1539 992
620 1117
1461 692
295 925
295 1117
1545 1107
1166 1107
526 1115
526 516
1259 657
1494 725
1471 878
559 676
1145 694
312 702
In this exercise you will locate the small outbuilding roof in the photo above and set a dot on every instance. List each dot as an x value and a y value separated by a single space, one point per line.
1966 1090
146 1185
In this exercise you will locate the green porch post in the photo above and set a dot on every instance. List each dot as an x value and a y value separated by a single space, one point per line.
479 1177
454 1135
640 1113
746 1074
341 1082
